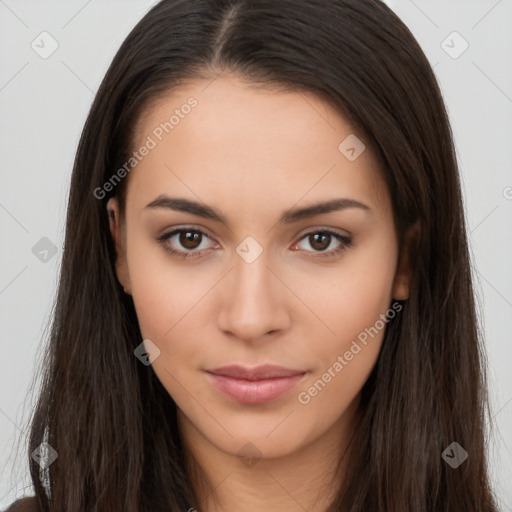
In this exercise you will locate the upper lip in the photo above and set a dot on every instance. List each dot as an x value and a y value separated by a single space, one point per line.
257 373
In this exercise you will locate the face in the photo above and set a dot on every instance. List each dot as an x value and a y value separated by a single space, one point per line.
268 312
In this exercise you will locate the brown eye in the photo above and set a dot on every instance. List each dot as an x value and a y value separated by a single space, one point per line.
320 241
190 239
186 243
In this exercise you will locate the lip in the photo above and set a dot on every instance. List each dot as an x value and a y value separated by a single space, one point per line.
257 385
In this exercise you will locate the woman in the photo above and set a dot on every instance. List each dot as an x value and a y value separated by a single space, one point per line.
265 299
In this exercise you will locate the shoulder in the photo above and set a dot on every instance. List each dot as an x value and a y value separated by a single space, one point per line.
25 505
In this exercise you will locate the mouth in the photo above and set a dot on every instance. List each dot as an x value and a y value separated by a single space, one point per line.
257 385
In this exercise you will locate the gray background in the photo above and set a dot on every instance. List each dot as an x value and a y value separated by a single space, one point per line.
43 105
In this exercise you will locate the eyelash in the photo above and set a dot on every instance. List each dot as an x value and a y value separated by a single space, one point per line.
345 242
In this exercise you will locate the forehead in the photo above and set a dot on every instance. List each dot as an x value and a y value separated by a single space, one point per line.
225 137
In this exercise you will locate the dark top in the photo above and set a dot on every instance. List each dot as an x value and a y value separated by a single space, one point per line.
29 504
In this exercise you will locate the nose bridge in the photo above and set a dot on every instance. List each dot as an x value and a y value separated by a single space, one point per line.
253 303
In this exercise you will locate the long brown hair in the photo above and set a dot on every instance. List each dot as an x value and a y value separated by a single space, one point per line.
110 419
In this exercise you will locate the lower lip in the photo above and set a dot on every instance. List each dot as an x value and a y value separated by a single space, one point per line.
254 391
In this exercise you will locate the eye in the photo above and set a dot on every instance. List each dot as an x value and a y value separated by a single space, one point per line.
187 238
323 239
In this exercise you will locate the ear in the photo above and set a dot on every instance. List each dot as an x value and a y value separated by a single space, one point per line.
117 232
403 275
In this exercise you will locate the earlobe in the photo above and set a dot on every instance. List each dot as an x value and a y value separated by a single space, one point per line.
116 230
403 277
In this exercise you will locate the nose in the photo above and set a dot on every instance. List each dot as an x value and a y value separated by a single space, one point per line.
253 301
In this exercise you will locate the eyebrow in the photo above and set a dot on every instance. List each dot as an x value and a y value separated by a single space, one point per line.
287 217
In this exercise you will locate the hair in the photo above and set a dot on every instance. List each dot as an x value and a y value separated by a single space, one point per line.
111 420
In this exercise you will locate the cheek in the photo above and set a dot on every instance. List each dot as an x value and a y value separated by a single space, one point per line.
170 300
168 306
352 297
164 291
353 306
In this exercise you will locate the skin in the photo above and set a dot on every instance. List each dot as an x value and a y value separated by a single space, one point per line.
252 154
